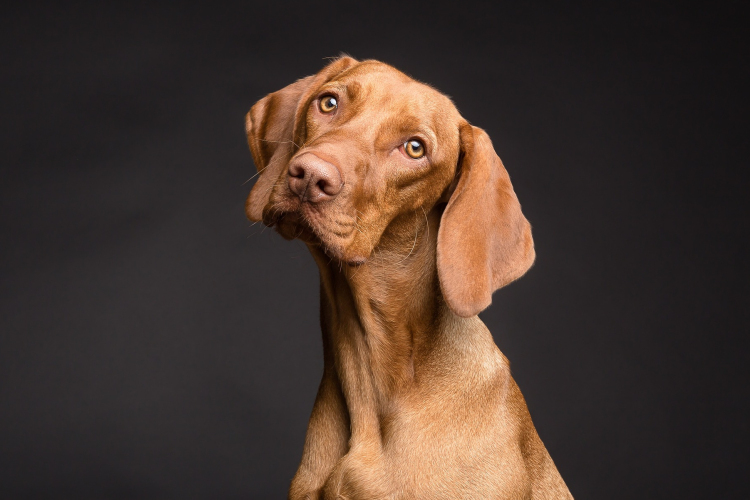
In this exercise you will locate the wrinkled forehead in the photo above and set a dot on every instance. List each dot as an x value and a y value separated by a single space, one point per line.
379 86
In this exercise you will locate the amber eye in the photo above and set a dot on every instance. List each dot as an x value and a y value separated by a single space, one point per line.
328 103
414 148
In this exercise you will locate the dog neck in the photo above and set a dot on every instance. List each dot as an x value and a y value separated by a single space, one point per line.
378 317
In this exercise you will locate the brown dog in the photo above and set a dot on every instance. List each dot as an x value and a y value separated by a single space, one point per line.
413 222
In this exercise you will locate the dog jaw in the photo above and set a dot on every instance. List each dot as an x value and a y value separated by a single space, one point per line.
333 229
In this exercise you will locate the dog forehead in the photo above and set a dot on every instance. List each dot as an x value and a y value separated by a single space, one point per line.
374 80
396 97
372 70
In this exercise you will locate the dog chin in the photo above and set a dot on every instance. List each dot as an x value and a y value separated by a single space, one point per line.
341 256
337 250
291 225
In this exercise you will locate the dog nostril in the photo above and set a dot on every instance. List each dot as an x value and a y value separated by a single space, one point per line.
296 171
313 179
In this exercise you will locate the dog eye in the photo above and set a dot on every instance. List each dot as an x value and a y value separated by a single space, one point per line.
328 103
414 148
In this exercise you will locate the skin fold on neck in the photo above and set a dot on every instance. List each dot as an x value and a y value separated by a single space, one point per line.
380 317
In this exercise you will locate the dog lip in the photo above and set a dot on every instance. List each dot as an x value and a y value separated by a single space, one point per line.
273 217
356 261
330 234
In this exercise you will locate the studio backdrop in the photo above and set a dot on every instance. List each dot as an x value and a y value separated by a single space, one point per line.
156 344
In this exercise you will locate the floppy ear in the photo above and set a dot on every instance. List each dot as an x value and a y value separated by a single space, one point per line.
484 241
272 131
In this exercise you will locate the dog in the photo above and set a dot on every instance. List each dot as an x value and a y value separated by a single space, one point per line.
413 222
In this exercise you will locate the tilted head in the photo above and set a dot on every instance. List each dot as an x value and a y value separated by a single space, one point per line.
347 153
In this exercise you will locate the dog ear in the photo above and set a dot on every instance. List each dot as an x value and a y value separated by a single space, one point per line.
484 241
272 131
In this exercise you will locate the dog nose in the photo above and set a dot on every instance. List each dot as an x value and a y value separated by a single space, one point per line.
314 179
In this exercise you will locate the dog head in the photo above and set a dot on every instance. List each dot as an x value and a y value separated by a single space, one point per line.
344 155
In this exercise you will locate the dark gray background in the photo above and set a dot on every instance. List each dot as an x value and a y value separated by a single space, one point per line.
154 344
